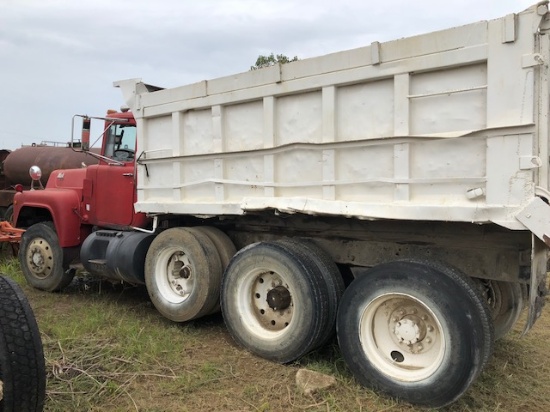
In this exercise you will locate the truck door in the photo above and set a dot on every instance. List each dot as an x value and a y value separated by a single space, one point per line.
115 182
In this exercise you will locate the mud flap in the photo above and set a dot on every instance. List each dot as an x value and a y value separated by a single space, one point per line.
538 288
536 217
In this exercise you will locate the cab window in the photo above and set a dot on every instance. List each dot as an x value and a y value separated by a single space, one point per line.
121 142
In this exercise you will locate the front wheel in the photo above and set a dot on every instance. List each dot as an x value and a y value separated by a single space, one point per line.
41 259
415 331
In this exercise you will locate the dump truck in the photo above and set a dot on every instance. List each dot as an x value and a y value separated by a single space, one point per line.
396 194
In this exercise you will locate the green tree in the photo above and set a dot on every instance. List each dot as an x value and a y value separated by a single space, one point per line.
271 60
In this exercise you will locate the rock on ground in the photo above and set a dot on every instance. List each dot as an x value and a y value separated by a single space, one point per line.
310 382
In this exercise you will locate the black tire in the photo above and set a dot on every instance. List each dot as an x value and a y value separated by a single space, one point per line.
415 331
332 277
192 291
8 215
274 301
478 300
225 247
505 301
41 258
22 366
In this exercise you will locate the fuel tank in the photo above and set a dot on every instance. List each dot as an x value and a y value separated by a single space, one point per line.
16 164
116 255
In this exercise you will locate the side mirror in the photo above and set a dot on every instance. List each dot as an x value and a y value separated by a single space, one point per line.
85 140
35 174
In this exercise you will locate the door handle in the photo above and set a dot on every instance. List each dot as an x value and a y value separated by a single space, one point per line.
128 174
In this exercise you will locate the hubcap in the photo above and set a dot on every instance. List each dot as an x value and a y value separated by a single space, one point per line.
271 301
176 275
413 328
278 298
180 274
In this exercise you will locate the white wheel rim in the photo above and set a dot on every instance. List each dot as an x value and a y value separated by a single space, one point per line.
175 275
258 293
40 257
402 337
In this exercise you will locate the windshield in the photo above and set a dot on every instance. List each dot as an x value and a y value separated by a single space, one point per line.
121 142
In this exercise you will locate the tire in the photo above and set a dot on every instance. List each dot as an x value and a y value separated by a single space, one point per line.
192 291
505 301
8 215
41 259
479 302
415 331
225 247
331 276
22 366
274 301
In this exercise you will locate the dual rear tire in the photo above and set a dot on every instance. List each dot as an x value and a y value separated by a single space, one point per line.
279 299
183 271
416 331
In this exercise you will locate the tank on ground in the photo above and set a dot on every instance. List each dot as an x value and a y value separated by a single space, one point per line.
16 164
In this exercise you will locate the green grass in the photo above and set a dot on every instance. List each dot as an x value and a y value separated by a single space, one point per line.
108 349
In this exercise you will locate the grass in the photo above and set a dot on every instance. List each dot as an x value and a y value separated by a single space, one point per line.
107 349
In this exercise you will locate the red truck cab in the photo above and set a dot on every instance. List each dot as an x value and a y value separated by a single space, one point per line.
76 202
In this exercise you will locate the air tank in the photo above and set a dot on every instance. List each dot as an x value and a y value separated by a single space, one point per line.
49 158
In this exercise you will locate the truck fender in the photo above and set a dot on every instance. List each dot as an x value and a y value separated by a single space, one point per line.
63 208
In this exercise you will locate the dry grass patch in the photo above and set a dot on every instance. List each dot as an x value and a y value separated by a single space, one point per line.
107 349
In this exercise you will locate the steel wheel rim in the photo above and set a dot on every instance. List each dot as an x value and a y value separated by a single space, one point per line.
175 275
40 258
260 317
402 337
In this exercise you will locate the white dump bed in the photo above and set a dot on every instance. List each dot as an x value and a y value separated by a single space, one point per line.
450 126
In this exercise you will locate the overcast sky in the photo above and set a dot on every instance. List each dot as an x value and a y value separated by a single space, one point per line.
60 57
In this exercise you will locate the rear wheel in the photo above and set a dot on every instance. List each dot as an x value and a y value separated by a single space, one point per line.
505 301
182 274
41 258
415 331
225 247
274 301
331 276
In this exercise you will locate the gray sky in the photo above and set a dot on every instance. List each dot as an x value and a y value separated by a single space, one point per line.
60 57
